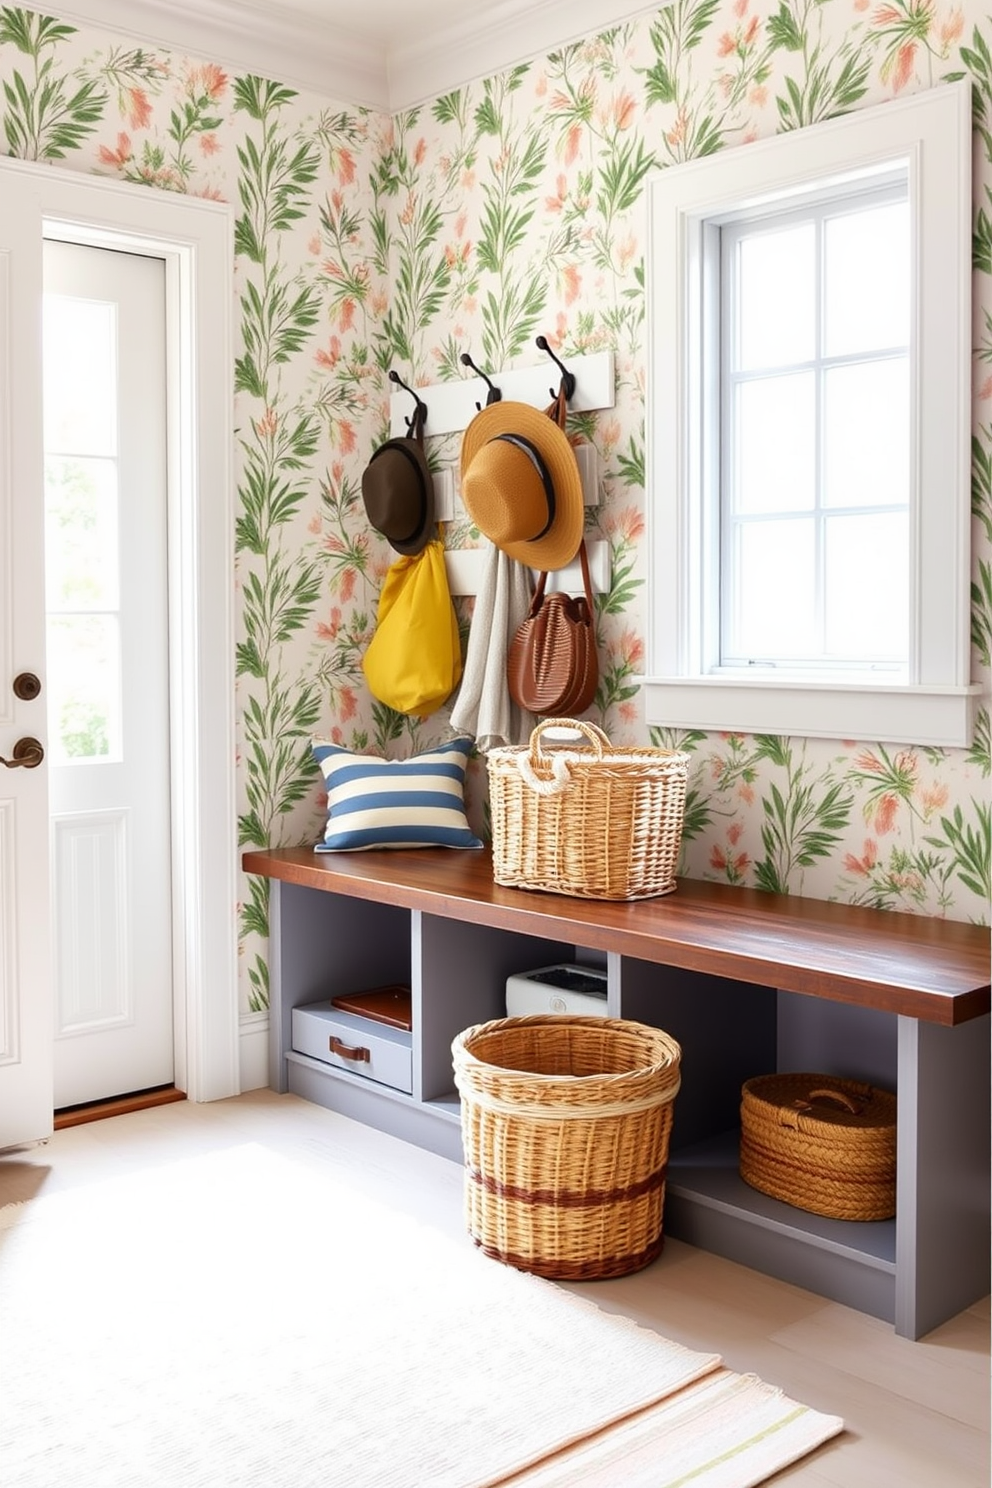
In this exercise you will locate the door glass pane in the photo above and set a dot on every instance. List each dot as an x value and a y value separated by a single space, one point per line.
82 565
84 701
80 355
866 280
775 426
776 305
867 588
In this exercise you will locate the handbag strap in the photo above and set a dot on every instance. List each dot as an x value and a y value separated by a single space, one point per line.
558 409
538 595
542 578
586 580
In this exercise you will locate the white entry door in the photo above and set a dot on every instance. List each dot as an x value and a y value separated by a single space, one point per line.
25 962
106 544
194 238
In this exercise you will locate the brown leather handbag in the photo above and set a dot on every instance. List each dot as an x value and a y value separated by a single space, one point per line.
551 666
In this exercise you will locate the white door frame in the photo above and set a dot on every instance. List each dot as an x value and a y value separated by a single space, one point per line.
196 239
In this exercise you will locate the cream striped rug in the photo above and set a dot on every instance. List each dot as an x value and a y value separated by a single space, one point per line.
238 1320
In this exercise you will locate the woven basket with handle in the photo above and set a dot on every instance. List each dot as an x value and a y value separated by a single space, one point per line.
592 821
821 1143
565 1127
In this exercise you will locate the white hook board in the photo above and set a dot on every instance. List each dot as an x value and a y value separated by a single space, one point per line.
465 570
451 405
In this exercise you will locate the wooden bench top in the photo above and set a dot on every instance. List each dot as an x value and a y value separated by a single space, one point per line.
932 969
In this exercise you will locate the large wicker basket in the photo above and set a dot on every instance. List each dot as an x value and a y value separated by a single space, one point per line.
820 1143
565 1127
602 823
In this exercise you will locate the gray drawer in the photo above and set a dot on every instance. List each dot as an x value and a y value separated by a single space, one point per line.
373 1050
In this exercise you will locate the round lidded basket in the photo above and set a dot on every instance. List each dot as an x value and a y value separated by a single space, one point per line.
820 1143
595 821
566 1122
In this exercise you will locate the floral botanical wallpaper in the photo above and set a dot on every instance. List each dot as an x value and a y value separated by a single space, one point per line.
513 207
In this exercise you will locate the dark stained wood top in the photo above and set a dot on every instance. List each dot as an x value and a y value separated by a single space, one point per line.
932 969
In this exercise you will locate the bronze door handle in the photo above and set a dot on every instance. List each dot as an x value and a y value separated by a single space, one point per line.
27 753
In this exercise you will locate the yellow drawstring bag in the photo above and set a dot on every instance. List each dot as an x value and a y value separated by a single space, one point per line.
414 661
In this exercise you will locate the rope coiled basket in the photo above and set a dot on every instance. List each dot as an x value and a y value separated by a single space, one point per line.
566 1122
598 822
820 1143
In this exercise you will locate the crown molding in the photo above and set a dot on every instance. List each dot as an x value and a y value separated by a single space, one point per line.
491 38
287 45
303 51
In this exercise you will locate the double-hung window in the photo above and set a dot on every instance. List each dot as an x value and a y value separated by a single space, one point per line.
813 488
808 430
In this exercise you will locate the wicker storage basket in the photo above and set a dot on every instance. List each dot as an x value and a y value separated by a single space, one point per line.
602 823
565 1127
820 1143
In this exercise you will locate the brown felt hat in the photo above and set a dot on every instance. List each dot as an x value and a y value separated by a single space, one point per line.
398 491
521 484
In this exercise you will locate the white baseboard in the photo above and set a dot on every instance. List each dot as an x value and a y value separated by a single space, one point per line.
253 1045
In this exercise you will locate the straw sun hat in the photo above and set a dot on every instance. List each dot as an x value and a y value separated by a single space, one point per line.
521 484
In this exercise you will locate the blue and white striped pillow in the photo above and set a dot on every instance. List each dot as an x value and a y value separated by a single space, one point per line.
416 802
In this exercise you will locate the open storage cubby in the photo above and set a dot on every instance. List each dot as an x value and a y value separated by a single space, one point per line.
748 983
763 1031
325 945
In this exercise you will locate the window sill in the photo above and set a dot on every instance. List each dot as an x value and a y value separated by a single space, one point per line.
936 717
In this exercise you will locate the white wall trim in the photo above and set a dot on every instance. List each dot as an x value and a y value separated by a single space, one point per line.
254 1051
196 239
289 46
301 49
937 718
487 39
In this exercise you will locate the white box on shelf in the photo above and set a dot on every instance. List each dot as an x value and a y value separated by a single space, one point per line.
563 988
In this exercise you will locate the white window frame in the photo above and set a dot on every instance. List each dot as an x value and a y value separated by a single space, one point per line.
930 134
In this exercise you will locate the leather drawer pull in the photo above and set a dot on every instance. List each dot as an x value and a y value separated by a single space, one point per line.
345 1051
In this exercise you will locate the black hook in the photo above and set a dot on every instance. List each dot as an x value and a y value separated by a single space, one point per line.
494 394
415 423
568 378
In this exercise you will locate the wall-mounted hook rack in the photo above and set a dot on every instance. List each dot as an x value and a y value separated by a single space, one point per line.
568 378
454 404
416 421
494 394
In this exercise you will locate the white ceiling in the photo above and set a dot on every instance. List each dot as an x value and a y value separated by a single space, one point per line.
385 54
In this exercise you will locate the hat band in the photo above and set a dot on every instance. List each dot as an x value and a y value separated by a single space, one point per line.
407 455
534 455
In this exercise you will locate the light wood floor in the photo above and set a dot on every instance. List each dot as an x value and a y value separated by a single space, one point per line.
917 1414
